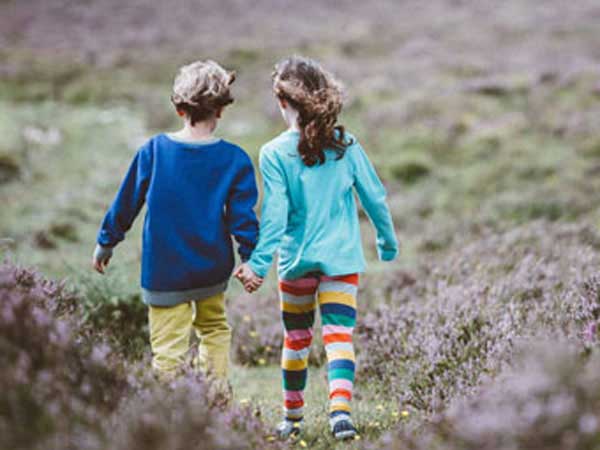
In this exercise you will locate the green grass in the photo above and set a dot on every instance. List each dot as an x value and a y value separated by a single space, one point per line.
260 387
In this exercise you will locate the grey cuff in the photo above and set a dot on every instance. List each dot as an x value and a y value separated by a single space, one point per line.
102 253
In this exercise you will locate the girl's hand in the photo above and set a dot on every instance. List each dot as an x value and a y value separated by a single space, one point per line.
253 284
101 258
248 278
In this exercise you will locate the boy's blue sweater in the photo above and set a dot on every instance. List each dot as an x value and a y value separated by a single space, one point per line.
198 195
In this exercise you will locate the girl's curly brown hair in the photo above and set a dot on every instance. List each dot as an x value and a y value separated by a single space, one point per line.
318 98
201 89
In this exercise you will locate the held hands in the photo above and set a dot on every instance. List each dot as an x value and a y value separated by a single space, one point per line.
248 278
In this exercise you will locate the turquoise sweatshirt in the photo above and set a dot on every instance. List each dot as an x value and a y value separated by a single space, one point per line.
309 214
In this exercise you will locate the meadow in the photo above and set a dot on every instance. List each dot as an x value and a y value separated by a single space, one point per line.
481 118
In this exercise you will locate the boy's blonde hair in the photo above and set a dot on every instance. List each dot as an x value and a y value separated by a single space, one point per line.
201 89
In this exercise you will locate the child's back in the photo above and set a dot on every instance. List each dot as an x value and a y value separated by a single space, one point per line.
191 213
322 232
199 191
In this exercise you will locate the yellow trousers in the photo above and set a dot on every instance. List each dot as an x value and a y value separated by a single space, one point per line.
170 333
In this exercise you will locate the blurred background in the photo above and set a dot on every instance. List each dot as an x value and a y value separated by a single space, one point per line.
473 112
482 118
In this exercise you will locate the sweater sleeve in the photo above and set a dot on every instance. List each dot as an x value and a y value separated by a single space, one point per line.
372 195
129 200
240 215
274 213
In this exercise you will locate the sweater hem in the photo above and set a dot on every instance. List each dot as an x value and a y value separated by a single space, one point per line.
173 298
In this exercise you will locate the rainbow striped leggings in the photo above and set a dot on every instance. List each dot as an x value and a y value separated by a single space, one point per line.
336 297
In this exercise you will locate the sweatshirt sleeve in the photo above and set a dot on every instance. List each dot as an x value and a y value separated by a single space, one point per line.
241 218
274 213
129 200
372 195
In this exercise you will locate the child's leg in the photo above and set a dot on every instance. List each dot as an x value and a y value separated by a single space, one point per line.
170 329
337 300
298 312
215 335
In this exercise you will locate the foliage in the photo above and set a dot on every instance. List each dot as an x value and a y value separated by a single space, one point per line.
58 393
187 413
550 400
258 332
110 308
51 385
439 338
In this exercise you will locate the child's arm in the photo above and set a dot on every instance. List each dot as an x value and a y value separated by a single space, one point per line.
372 196
274 214
127 204
241 218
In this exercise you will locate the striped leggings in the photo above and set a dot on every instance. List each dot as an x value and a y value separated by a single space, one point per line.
336 297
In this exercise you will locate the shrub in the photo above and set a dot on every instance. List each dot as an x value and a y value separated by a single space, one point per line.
258 331
188 413
539 203
52 386
590 148
13 157
409 170
439 338
66 390
109 308
550 400
9 168
64 230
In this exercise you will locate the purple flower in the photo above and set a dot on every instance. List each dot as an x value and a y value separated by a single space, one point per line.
591 332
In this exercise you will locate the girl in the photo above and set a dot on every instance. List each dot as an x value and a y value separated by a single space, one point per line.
309 215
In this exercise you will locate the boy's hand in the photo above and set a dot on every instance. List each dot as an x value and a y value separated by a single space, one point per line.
101 258
248 278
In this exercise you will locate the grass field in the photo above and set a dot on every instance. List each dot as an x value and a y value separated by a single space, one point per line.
260 386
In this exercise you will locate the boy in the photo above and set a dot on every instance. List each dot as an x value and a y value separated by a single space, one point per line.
199 190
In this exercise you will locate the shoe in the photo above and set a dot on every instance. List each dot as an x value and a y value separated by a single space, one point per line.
289 429
344 429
